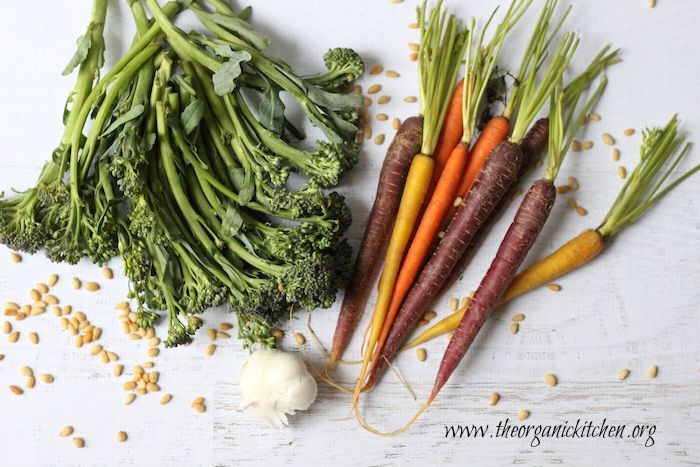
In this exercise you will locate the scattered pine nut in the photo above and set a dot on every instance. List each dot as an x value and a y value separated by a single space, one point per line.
514 328
13 337
104 358
571 203
608 139
26 371
367 131
12 306
413 25
225 326
410 99
43 288
413 57
518 317
201 408
211 333
454 304
622 172
628 132
165 399
34 338
383 99
563 189
382 117
652 372
651 3
494 398
376 69
299 337
396 123
153 352
379 139
457 202
118 370
46 378
576 146
429 315
573 183
107 273
30 383
551 380
66 310
152 387
198 400
423 322
129 385
155 341
78 342
586 145
16 390
421 354
20 316
465 302
277 333
414 47
2 357
554 287
623 374
6 327
581 211
374 89
209 350
129 398
35 295
92 286
79 442
113 357
121 436
15 257
122 305
66 431
523 414
594 117
95 349
76 283
392 74
36 311
53 280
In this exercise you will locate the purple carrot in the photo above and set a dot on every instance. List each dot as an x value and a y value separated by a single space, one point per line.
405 145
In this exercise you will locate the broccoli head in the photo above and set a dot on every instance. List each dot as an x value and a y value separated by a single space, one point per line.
344 67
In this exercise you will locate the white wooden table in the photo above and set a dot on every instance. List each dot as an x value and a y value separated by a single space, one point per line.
634 307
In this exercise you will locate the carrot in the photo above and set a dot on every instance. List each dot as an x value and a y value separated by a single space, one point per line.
441 49
479 70
494 181
392 177
519 239
451 133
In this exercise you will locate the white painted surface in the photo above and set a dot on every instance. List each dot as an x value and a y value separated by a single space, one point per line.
634 307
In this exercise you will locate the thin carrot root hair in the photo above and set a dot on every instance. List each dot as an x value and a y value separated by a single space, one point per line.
363 423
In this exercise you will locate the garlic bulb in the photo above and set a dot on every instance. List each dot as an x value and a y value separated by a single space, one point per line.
276 384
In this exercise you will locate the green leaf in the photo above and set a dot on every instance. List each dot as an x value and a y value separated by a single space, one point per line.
192 115
131 114
331 100
232 222
84 42
225 79
271 111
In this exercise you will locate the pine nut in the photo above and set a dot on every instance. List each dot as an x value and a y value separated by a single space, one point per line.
299 337
383 100
209 350
129 385
34 338
651 3
413 57
376 69
104 358
66 310
122 305
586 145
79 443
410 99
623 374
494 398
581 211
30 383
423 322
382 117
43 288
225 326
154 342
379 139
396 123
118 370
121 436
152 387
107 273
608 139
35 295
563 189
66 431
53 280
15 257
277 333
392 74
413 26
92 286
551 380
622 172
523 414
374 89
429 315
652 372
571 203
16 390
153 352
421 354
594 117
554 287
6 327
414 47
26 371
518 317
573 183
199 408
95 349
75 283
628 132
198 400
576 146
13 337
514 328
113 357
165 399
46 378
129 398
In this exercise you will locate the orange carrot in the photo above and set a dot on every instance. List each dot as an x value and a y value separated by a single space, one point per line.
450 134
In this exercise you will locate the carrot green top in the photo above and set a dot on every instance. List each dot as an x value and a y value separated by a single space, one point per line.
644 186
481 62
442 45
